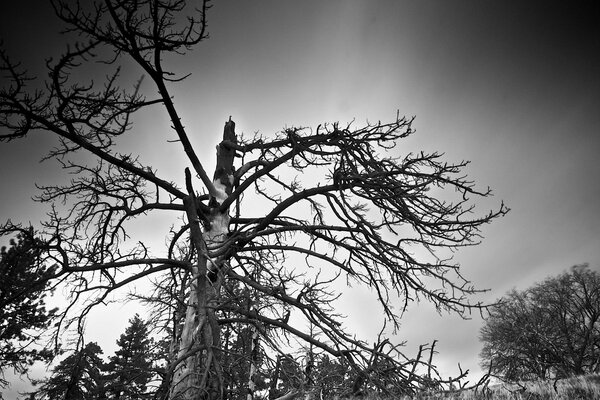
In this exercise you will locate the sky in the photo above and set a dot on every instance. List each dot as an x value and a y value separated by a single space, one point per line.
512 86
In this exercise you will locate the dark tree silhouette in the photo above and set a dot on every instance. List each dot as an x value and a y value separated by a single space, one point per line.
23 313
242 353
332 378
547 331
286 215
77 377
129 371
287 377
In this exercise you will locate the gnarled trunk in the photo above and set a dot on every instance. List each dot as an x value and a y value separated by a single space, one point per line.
198 372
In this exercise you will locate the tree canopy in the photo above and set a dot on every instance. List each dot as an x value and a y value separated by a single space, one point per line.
285 216
550 330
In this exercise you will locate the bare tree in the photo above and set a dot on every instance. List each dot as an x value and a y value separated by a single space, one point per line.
301 209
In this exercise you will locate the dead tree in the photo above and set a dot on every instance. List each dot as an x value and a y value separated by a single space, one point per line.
304 209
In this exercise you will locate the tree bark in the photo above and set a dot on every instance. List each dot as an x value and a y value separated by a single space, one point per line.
198 373
253 363
275 378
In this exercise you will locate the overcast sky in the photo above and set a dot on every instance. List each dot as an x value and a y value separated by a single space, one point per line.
513 86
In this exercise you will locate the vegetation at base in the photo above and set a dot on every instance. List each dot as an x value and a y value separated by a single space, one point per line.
584 387
138 368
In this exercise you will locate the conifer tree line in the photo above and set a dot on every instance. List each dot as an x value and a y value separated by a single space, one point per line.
137 368
126 375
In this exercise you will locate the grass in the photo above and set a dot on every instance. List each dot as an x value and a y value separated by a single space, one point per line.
586 387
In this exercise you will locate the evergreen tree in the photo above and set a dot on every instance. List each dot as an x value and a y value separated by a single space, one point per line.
288 378
23 287
241 349
331 377
130 367
77 377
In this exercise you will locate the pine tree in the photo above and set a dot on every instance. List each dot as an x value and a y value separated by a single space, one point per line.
77 377
23 313
130 367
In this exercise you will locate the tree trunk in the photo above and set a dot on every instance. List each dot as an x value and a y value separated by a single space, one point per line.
253 363
198 373
275 378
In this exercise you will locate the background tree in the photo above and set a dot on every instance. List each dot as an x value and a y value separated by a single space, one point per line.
77 377
245 365
332 378
23 314
287 376
130 369
302 209
549 330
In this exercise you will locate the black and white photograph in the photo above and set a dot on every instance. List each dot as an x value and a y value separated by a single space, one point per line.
341 199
